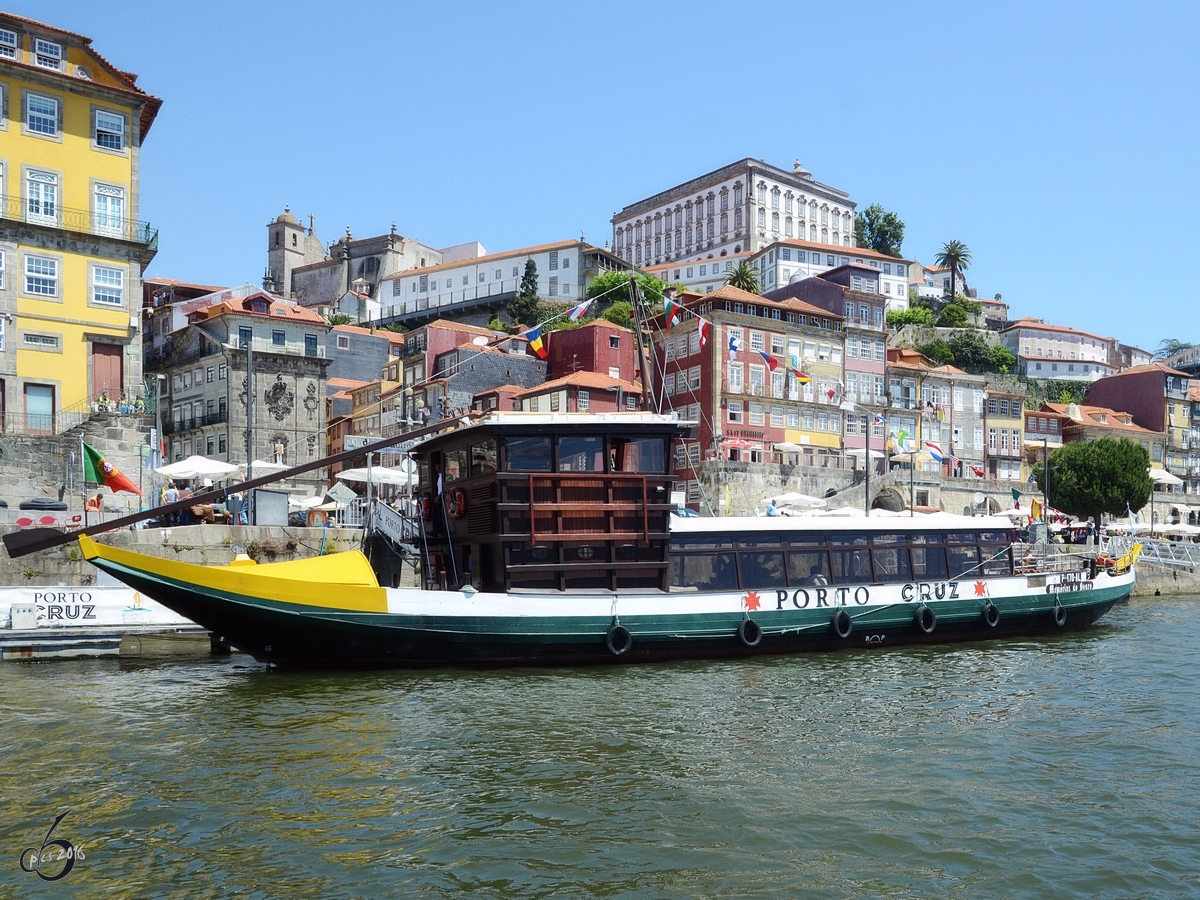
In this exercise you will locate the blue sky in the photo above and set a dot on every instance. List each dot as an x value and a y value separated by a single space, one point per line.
1058 146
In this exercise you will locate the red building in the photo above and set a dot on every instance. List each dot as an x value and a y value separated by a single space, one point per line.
599 346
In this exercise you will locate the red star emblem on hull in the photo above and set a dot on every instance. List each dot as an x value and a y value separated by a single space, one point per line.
980 589
752 601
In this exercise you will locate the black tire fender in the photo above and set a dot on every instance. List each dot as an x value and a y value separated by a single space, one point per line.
925 619
991 614
1060 613
618 640
750 633
842 624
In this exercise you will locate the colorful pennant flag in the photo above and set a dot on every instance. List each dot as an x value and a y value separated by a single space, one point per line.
735 344
1016 498
575 313
673 313
705 332
1035 509
978 472
880 420
535 342
935 450
772 362
99 470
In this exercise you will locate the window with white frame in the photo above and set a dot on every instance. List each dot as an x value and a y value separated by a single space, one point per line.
669 384
735 411
41 197
777 416
756 341
41 276
47 54
2 255
669 350
694 342
777 344
554 286
108 286
109 202
735 378
8 43
756 414
553 259
41 115
693 455
694 378
583 401
109 130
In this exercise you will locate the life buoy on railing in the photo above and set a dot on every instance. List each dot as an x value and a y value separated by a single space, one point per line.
317 518
925 619
991 614
749 632
842 624
456 503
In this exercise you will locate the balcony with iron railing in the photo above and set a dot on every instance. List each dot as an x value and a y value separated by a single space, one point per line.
186 423
81 221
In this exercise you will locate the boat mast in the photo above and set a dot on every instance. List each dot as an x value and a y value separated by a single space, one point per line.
636 297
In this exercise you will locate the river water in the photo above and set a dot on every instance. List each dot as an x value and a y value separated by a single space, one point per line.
1062 767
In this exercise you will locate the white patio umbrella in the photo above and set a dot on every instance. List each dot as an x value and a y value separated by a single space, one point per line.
197 467
1162 476
379 475
262 467
792 498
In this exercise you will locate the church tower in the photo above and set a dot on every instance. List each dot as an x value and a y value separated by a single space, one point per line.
287 248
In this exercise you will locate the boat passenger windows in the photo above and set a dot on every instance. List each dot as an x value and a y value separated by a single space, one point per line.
581 454
919 539
456 464
808 568
964 561
851 566
892 564
994 537
889 540
996 560
702 542
848 540
928 564
638 455
483 458
961 537
759 540
762 570
704 571
527 454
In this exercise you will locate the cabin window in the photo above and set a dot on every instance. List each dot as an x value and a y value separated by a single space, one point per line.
423 473
851 566
928 564
581 454
702 542
704 571
762 569
891 564
808 567
456 464
638 455
483 458
527 454
963 560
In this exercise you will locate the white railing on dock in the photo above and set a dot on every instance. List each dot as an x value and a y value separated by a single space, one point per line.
1171 553
399 528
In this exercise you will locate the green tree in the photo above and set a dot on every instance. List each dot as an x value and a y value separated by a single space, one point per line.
1003 360
939 351
744 277
971 351
620 313
914 315
1088 478
523 308
952 316
495 325
613 287
1169 347
394 327
880 230
955 256
339 319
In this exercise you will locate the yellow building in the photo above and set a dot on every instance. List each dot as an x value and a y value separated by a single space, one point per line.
72 250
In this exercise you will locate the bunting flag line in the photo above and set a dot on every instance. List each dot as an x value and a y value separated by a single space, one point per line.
575 313
705 332
880 420
672 313
978 472
772 362
99 470
535 342
735 344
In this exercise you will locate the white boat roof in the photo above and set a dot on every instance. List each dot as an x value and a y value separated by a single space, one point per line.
584 420
787 524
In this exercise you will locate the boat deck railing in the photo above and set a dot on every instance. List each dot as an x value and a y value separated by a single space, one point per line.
1042 556
1170 553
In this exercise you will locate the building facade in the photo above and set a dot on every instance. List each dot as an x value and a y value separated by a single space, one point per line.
72 251
783 262
1157 398
739 208
204 385
599 346
1056 352
582 392
939 404
1003 423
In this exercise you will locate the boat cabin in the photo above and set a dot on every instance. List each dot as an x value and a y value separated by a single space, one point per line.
558 502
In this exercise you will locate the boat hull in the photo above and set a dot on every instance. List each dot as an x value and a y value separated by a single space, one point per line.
412 628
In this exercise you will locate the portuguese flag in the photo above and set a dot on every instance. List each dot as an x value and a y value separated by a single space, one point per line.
99 470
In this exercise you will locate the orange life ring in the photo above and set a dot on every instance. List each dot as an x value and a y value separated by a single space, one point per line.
456 503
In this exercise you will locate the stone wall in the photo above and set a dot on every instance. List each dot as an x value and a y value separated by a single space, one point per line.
200 544
42 465
1154 579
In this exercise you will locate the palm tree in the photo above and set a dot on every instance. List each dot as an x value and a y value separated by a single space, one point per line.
956 256
338 319
744 277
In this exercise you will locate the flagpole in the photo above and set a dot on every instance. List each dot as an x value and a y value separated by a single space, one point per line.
83 480
867 463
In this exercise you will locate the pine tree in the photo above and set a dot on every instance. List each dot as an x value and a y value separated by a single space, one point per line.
523 308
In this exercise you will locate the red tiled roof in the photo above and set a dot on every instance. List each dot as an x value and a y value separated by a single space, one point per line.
277 309
393 336
1090 413
1030 322
503 389
349 383
590 380
1152 367
696 262
729 292
835 248
171 282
